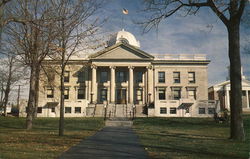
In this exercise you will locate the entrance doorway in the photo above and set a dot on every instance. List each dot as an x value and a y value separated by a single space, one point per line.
121 95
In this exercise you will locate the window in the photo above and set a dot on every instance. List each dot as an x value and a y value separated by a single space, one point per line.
81 93
123 40
120 77
177 77
172 110
176 93
66 93
53 110
77 109
202 111
191 93
103 95
80 76
66 76
162 93
50 93
211 110
163 110
67 109
51 75
191 77
139 94
161 77
104 77
39 109
139 77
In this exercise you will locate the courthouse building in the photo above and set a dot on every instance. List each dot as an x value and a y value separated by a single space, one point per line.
122 79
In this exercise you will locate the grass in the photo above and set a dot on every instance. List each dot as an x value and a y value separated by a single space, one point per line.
43 140
185 138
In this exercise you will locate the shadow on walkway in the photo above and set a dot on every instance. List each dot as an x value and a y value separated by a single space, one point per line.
109 143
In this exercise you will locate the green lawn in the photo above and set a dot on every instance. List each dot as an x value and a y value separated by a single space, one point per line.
43 141
185 138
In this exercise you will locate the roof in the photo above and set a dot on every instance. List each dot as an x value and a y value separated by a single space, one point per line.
227 82
123 36
124 46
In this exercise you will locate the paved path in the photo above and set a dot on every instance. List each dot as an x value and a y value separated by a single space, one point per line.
109 143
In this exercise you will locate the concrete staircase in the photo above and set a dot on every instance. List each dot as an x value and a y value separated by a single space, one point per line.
115 110
119 122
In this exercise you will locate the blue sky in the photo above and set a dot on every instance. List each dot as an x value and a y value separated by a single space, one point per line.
203 33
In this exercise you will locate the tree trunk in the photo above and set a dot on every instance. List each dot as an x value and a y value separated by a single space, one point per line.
61 122
37 90
31 101
237 129
2 96
7 90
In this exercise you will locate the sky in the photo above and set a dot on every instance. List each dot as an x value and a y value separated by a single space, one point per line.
200 34
203 33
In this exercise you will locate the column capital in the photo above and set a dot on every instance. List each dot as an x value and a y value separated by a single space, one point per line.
149 67
93 66
112 67
131 67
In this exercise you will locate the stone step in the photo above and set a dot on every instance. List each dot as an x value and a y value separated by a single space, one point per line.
119 119
119 123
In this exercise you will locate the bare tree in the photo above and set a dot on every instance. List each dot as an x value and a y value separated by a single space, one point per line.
3 19
11 74
78 27
31 40
230 13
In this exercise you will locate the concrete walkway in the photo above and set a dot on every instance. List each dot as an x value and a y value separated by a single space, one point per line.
109 143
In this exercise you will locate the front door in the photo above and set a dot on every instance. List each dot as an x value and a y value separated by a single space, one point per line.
121 96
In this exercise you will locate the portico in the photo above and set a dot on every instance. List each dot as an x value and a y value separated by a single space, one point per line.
119 84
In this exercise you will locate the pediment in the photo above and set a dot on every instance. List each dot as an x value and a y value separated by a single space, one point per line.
121 51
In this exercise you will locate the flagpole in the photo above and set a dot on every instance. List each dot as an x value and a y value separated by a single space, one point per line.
125 12
122 21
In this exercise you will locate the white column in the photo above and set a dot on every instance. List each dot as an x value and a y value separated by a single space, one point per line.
247 95
228 100
150 93
94 85
131 84
112 84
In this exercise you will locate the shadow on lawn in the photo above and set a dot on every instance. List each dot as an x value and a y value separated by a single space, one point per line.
181 122
191 151
188 136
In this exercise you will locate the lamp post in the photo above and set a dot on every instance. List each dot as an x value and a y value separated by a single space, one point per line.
149 97
91 97
149 102
105 111
133 112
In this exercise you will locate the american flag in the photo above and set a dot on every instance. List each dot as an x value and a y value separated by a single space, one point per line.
124 11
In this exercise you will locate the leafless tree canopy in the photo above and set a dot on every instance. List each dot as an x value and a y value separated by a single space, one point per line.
230 13
157 10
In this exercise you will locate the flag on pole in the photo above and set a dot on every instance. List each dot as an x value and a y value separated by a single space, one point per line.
124 11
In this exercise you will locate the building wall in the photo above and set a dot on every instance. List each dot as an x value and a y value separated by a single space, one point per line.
72 85
200 85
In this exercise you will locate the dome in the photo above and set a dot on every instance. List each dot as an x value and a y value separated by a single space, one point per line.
124 37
